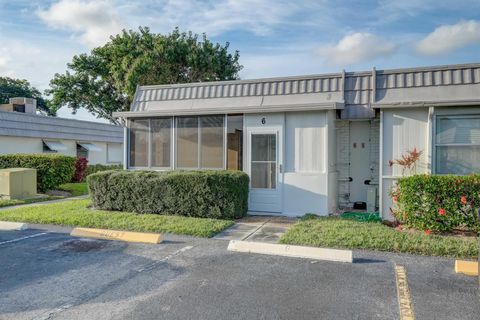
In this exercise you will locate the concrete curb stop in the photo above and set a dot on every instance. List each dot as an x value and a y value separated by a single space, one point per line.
127 236
10 226
469 268
291 251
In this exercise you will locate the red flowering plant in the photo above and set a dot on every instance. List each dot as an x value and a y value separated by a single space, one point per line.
80 169
437 203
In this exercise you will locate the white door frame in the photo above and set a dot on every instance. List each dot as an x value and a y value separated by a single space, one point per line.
272 198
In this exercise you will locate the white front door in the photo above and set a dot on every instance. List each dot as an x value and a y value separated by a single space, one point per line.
359 160
264 168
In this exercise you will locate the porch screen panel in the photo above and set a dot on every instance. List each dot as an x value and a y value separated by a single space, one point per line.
211 139
457 144
161 142
139 143
235 142
187 142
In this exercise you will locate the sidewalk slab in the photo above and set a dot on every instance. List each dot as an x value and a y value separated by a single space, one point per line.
41 203
237 232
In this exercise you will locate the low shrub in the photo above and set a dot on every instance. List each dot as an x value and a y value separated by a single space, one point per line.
52 169
438 203
80 169
94 168
207 194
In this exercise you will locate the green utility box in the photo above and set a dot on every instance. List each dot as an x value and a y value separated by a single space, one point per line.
18 183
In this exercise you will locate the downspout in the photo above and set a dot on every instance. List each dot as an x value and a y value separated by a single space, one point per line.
380 169
125 144
430 144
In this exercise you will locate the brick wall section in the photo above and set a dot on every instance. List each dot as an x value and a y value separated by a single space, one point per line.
343 162
375 148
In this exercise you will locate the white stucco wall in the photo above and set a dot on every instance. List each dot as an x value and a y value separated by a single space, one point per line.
308 160
306 163
402 130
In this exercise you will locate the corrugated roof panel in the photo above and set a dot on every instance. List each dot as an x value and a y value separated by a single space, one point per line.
357 87
457 76
476 75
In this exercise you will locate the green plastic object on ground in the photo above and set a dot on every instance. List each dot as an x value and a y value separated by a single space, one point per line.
362 216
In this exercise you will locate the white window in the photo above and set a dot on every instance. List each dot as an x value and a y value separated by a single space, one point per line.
139 143
457 144
200 142
194 142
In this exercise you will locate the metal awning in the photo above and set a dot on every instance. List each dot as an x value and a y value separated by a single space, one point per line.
89 146
55 145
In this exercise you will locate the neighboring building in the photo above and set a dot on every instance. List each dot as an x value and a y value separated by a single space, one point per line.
317 143
23 131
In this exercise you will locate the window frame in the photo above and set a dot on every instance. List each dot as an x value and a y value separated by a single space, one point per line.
150 134
435 145
129 126
173 142
82 149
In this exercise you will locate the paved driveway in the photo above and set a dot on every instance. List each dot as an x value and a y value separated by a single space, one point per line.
54 276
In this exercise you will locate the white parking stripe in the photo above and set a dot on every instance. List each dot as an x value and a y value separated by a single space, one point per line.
24 238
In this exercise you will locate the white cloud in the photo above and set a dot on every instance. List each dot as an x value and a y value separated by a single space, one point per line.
447 38
25 60
217 16
355 48
94 20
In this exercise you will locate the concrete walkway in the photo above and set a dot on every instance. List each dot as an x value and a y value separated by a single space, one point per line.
257 228
45 202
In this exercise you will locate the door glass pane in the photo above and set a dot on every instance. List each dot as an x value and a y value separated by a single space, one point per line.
458 159
263 161
161 142
187 142
211 130
264 147
263 175
138 143
235 142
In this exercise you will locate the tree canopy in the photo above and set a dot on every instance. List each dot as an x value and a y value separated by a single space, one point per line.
11 88
105 80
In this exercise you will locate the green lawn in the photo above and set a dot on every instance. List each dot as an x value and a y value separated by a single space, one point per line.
76 189
16 202
75 213
341 233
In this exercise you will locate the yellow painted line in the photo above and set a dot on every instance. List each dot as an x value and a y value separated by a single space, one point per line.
404 299
469 268
117 235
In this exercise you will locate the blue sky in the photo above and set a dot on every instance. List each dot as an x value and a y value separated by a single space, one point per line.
274 37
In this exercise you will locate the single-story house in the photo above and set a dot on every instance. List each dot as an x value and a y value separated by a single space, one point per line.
22 130
315 143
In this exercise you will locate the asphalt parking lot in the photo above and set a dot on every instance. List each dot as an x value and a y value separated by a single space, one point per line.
54 276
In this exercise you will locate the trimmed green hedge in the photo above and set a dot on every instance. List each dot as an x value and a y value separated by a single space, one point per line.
52 169
438 203
208 194
94 168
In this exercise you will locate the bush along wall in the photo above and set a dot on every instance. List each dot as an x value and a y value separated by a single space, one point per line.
438 203
52 169
219 194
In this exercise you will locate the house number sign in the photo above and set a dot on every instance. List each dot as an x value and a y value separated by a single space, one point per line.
263 120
